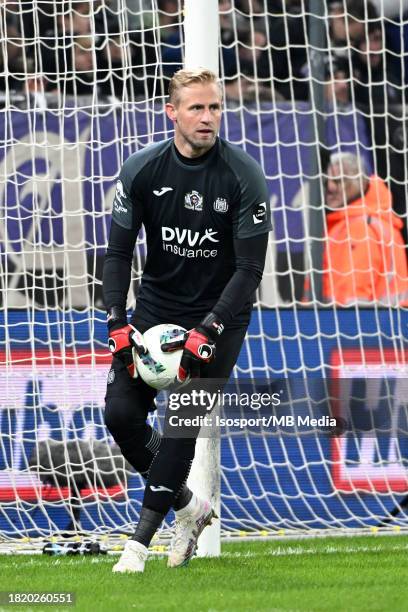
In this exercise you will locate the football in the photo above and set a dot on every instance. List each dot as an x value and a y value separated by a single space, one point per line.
156 368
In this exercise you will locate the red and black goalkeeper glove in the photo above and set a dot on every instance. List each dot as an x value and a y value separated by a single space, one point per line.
122 339
199 347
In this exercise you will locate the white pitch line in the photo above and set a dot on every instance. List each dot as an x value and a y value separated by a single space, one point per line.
56 562
328 550
74 560
280 551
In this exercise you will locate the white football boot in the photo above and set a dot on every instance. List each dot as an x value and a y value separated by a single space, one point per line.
190 522
132 559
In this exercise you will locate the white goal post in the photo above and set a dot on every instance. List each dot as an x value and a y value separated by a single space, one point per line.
82 86
201 31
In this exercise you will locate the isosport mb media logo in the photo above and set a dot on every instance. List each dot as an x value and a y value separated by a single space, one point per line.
189 243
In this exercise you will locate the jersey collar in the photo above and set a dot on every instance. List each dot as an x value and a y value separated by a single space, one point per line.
194 162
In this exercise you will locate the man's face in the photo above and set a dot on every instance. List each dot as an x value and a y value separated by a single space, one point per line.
196 114
340 189
338 88
84 59
371 52
80 20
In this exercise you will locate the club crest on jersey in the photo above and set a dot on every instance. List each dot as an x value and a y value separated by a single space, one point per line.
193 201
221 205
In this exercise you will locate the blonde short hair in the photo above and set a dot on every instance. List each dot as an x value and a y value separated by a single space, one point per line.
185 78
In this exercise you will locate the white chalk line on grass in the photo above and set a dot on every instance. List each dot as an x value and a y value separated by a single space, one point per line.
74 561
280 551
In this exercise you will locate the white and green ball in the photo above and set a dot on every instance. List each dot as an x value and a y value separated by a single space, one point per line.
156 368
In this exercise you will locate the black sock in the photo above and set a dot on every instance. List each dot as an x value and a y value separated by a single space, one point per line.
183 498
149 522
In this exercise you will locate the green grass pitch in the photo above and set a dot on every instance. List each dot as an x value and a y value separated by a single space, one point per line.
367 573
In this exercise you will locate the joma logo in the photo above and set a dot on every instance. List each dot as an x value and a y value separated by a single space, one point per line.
188 237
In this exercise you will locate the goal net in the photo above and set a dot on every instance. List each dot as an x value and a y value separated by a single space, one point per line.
82 86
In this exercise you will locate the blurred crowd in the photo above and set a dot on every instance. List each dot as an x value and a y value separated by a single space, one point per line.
364 61
115 49
76 48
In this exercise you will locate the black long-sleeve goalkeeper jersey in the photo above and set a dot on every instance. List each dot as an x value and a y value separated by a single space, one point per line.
206 222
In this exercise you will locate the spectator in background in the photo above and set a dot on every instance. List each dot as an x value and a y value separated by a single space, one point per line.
397 43
375 82
250 7
228 36
12 71
364 258
169 16
77 17
288 53
126 65
60 50
115 68
337 87
170 24
346 19
80 60
252 82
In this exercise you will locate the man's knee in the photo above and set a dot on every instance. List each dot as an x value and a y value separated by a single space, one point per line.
123 423
178 449
137 441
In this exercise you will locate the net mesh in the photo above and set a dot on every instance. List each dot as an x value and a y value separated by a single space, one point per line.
82 86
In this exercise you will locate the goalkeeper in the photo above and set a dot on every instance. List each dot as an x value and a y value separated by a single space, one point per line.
204 205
